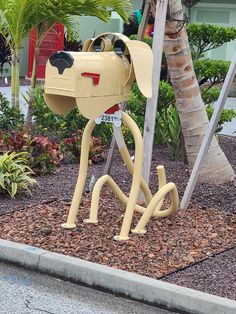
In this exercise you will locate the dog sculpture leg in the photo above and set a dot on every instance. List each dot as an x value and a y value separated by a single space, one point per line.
168 188
154 204
83 167
137 175
136 182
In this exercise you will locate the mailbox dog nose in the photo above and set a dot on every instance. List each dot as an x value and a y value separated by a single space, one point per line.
61 60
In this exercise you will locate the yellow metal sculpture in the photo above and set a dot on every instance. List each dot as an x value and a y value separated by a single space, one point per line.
96 80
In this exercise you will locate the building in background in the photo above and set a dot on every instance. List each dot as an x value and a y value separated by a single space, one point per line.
221 13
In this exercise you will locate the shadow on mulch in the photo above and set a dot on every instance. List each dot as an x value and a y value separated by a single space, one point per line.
187 237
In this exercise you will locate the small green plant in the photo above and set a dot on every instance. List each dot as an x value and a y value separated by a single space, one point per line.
15 174
11 118
210 96
170 130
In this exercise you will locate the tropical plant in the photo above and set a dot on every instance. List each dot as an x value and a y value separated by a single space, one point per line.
13 141
226 116
44 155
168 127
15 174
96 153
10 118
17 17
72 44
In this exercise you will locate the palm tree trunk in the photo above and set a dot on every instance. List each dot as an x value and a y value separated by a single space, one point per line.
193 117
13 79
17 80
32 84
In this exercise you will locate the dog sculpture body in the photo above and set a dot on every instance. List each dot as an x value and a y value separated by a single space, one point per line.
95 80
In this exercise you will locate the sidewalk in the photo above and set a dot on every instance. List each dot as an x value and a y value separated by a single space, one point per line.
144 289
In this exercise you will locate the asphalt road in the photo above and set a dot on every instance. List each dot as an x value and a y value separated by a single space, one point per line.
26 292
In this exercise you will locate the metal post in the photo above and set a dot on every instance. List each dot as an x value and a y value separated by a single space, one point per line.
209 134
140 36
151 106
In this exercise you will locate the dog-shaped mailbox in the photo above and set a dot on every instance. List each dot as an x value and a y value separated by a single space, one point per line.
96 80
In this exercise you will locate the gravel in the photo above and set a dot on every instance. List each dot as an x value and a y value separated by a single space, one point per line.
193 248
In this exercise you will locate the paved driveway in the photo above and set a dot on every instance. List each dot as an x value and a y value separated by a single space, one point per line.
26 292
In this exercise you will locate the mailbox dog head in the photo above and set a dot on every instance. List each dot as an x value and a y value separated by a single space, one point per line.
98 77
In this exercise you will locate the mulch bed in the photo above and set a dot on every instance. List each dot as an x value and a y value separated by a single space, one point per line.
200 233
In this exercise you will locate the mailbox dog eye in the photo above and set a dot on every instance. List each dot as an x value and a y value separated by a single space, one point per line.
102 44
61 60
98 45
119 47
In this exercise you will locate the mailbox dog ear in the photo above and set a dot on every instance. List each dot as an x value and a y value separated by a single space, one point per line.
142 63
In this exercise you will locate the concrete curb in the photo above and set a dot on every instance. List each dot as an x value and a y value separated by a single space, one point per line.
134 286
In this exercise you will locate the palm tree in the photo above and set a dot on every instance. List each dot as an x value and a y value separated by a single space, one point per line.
16 19
193 117
19 17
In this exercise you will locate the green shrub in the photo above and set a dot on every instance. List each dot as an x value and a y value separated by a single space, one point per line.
59 127
226 116
203 37
211 71
167 128
10 118
15 174
50 124
210 96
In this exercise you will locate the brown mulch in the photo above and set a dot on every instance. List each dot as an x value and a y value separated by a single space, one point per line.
200 233
170 244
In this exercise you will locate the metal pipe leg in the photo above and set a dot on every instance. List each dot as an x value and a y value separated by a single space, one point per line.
83 167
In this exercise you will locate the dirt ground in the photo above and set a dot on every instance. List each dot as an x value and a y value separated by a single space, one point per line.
193 248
